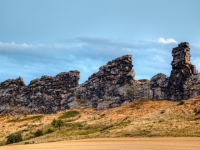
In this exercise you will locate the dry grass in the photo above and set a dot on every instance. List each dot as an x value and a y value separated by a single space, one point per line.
141 118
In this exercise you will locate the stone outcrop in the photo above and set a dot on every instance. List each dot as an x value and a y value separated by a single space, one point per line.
141 89
9 92
183 82
42 95
158 85
106 88
181 70
113 85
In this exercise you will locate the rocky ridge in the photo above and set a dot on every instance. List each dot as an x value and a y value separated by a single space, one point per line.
113 85
42 95
106 88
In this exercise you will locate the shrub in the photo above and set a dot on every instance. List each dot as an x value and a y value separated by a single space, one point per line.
49 130
38 133
14 138
196 111
181 102
106 127
69 114
26 119
57 123
162 111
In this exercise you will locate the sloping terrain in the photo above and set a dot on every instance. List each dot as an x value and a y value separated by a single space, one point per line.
141 118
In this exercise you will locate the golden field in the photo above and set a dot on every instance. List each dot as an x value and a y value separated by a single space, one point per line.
115 144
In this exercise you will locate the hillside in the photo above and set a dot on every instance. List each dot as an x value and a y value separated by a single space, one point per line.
141 118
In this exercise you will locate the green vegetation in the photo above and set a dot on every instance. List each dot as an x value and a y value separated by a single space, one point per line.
106 128
162 111
74 126
2 143
181 102
49 130
57 123
197 111
36 118
88 132
38 133
14 138
69 114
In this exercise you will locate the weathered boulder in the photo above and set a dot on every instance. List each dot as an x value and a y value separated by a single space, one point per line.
141 89
158 85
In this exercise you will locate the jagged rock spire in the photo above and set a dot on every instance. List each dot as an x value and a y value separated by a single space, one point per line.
181 70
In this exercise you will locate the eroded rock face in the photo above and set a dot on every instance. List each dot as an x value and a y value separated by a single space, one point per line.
183 82
106 88
9 93
181 70
42 95
158 85
141 89
112 86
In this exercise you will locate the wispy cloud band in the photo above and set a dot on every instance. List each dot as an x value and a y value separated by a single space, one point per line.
86 54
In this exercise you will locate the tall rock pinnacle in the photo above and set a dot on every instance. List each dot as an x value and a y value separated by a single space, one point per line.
181 70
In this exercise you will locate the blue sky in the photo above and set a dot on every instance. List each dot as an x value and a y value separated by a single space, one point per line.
46 37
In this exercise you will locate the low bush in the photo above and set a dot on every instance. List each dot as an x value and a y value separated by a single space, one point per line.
69 114
197 111
162 111
27 119
181 102
49 130
57 123
106 127
14 138
38 133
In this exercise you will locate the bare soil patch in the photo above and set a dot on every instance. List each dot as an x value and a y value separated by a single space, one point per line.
184 143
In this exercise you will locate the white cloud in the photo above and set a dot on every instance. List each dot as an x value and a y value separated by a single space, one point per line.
86 55
13 45
167 41
158 59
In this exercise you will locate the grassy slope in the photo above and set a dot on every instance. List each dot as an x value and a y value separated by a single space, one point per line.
141 118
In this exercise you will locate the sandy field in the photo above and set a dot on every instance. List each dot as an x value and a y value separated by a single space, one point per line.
115 144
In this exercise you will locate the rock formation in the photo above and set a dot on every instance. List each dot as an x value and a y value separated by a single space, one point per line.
112 86
42 95
158 85
183 82
106 88
181 70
